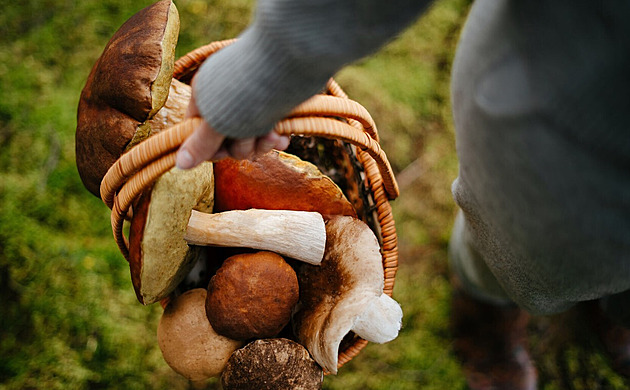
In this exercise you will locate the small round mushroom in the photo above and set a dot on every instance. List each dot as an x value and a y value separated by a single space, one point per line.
189 344
252 295
272 364
277 181
345 293
130 92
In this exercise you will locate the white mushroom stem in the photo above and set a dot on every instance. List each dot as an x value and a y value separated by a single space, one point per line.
380 321
297 234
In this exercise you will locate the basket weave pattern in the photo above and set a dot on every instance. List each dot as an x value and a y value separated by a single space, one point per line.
331 115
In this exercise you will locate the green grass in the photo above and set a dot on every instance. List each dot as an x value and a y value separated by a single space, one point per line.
69 317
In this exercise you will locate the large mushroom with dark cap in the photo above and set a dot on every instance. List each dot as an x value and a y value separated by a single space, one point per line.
130 92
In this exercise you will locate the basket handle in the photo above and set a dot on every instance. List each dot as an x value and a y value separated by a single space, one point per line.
137 169
188 64
332 128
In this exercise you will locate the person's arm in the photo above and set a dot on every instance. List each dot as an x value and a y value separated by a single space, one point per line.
284 57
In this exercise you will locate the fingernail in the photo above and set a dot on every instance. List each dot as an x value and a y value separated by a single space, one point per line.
283 143
184 160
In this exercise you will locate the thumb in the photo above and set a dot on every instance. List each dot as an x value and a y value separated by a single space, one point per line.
201 146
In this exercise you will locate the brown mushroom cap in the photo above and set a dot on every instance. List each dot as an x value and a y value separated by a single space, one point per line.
128 84
189 344
159 257
252 295
272 364
277 181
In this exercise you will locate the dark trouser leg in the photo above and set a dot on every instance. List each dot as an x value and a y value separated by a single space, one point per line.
617 308
611 319
489 331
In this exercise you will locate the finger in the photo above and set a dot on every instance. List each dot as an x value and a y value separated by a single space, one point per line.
192 111
202 145
283 142
242 148
266 143
271 141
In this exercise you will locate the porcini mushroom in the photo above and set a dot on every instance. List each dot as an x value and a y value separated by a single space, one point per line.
172 218
159 258
277 181
252 295
130 92
272 364
345 293
188 343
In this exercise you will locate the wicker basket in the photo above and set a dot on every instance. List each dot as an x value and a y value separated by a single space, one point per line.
329 122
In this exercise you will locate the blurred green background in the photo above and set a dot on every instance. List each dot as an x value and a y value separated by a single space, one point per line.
68 314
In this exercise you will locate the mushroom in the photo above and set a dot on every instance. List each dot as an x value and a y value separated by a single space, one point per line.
189 344
345 293
300 235
272 364
252 295
158 261
172 220
130 92
277 181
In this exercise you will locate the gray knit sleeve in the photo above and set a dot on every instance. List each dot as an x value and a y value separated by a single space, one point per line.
287 54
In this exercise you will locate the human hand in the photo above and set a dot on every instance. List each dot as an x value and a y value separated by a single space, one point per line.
207 144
